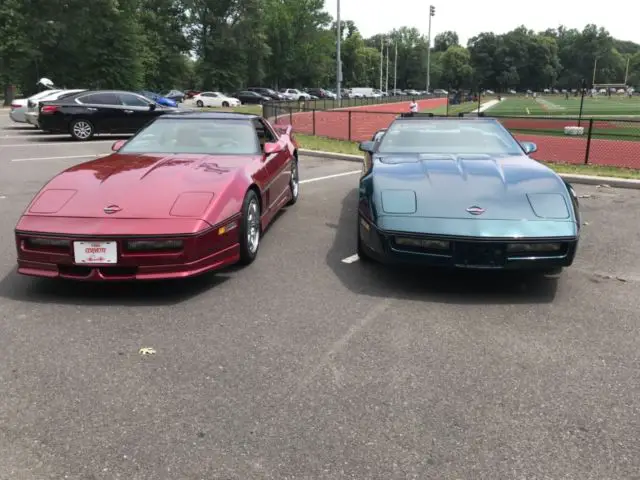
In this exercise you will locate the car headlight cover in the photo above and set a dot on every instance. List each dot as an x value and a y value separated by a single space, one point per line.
426 244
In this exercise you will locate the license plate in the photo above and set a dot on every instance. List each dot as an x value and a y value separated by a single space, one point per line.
480 256
95 252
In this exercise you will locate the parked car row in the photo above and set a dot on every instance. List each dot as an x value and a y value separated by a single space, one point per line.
183 229
261 95
84 113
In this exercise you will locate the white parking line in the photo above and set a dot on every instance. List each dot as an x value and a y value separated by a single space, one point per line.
58 158
327 177
46 144
351 259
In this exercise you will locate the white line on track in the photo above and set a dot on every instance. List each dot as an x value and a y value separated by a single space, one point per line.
46 144
351 259
327 177
95 155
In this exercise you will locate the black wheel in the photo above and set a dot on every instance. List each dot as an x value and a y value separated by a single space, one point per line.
81 129
363 255
225 104
199 104
250 228
294 182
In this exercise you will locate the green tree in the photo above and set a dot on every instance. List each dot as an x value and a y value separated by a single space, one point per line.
444 40
456 68
166 46
15 49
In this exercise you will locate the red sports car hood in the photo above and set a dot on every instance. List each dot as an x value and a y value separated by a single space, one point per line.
141 186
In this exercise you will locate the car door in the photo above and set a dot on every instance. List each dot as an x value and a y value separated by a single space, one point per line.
249 97
102 109
213 100
136 112
278 164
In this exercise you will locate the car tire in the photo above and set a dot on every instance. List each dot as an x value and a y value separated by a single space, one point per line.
294 182
361 248
199 104
81 129
250 230
552 271
225 104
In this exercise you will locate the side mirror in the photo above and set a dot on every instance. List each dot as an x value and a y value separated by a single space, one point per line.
152 106
270 148
366 146
529 147
118 145
378 135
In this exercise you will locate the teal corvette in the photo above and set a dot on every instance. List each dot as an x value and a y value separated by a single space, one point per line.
462 192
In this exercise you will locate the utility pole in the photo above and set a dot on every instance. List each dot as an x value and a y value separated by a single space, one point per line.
395 70
432 13
338 60
386 86
595 64
381 59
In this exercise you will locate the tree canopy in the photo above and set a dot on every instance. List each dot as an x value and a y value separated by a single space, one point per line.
230 44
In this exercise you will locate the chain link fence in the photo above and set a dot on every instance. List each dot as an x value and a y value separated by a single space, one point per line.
607 142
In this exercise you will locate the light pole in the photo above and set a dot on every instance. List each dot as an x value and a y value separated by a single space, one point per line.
395 69
432 13
626 72
338 59
386 85
381 59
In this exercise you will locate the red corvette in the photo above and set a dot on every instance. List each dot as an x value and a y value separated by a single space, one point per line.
189 193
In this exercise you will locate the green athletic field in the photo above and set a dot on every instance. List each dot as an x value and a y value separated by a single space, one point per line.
557 105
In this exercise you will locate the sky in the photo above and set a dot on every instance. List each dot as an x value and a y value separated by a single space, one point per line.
470 17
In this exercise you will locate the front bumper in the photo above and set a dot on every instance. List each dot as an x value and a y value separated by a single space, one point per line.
463 252
204 252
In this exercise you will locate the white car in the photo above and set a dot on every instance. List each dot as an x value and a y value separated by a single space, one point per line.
294 94
19 107
215 99
31 115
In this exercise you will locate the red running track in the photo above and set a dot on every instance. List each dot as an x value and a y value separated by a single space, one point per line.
360 123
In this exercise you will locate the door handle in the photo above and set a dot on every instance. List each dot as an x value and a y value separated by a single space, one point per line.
128 111
92 109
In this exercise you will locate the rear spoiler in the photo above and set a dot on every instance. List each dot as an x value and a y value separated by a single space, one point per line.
284 129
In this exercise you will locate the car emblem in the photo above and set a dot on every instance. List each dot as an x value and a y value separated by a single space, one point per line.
475 210
111 209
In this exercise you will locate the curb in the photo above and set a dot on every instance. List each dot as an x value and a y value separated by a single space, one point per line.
331 156
569 177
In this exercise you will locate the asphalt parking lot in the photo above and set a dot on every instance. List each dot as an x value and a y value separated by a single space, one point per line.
302 366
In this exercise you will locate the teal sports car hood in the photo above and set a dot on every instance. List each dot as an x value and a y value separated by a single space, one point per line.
468 187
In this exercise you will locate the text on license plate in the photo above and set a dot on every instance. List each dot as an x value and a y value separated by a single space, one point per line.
95 252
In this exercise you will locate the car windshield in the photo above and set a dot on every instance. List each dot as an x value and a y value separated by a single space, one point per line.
199 136
431 136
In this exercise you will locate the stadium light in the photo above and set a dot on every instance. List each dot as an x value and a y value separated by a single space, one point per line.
432 13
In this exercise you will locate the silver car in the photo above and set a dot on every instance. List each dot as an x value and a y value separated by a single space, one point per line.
33 106
19 107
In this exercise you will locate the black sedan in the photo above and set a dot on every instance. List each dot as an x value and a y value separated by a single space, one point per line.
87 113
247 97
